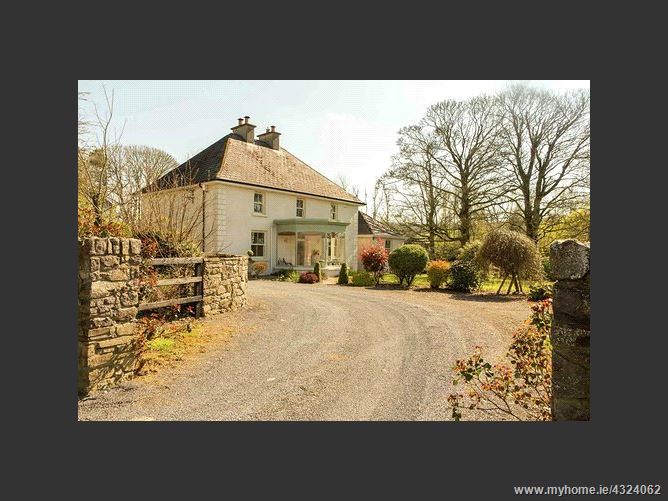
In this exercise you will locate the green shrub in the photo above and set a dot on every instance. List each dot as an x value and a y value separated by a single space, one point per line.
464 276
437 271
343 275
547 267
515 254
469 251
363 279
316 270
288 275
540 291
407 261
446 251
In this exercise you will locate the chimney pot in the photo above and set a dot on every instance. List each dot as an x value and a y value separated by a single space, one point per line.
245 130
267 129
273 128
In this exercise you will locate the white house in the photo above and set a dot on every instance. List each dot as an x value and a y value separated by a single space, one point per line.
254 195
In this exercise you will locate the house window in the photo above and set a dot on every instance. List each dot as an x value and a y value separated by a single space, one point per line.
258 203
387 244
257 243
300 207
332 212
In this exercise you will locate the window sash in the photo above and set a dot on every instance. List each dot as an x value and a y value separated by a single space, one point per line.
258 203
300 208
332 212
257 243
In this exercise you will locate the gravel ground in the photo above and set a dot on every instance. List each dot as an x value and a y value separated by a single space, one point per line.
324 352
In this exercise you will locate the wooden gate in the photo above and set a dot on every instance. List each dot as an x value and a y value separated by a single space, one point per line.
196 279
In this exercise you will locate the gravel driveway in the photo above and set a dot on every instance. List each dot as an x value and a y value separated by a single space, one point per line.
325 352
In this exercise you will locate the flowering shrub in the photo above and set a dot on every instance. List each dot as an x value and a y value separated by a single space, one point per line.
521 390
437 271
258 269
308 277
407 261
374 259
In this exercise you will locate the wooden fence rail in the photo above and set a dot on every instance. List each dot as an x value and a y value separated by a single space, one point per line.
197 280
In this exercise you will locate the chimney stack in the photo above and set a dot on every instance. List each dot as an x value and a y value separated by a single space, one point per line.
245 129
270 138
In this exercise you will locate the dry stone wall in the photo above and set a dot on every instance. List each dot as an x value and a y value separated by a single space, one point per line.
225 281
109 344
570 330
108 306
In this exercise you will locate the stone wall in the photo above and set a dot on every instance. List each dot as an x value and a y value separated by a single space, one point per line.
108 305
225 281
108 341
570 330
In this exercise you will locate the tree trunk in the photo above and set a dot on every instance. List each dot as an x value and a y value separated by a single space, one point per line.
498 291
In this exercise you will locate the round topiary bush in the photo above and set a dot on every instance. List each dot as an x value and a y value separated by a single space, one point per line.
515 254
464 276
437 271
407 261
343 275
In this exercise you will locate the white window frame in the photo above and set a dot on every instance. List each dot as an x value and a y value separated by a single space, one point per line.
263 203
333 211
264 256
297 208
388 244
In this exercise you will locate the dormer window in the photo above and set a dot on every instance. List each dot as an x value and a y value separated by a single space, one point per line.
300 208
332 212
258 203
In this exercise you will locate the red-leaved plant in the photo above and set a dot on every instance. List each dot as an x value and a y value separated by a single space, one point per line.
374 260
521 390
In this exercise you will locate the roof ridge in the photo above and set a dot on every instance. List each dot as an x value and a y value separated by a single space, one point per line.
321 174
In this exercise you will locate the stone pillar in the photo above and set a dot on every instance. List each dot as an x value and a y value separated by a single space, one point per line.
570 330
108 306
225 281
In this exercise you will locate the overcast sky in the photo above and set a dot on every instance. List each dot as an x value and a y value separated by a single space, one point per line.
336 126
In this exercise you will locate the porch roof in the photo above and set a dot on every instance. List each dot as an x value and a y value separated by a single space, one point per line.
300 224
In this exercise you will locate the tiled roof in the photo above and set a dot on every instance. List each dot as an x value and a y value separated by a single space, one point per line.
234 160
366 225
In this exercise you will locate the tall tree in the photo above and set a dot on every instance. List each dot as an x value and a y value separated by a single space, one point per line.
545 150
465 147
132 168
415 188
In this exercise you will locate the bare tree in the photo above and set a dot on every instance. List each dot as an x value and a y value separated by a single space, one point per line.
464 146
546 151
345 183
131 169
415 189
93 161
178 210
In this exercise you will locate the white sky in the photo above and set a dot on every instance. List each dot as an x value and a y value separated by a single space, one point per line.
336 126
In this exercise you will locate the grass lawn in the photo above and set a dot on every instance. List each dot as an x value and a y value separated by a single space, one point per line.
422 280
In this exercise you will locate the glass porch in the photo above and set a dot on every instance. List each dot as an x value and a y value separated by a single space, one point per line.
302 243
